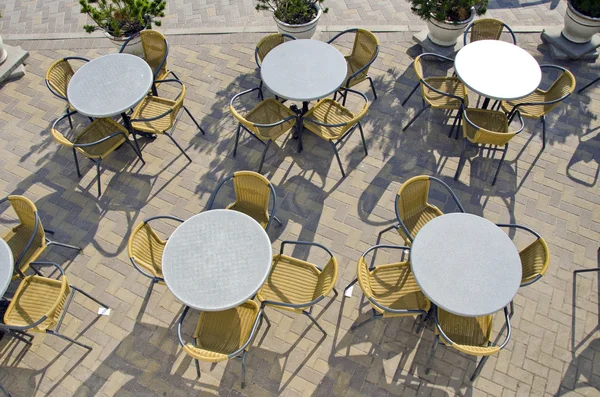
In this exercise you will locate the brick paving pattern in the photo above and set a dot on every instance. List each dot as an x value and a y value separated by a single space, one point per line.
62 16
136 352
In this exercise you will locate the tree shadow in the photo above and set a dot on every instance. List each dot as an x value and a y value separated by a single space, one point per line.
581 367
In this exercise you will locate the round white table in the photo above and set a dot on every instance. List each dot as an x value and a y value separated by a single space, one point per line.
6 266
109 85
497 70
466 264
303 70
217 260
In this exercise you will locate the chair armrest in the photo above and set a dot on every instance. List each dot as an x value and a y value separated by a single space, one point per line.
276 123
106 138
273 207
434 55
341 33
61 118
517 113
283 243
508 328
160 116
29 242
213 196
163 217
43 263
399 219
376 247
514 225
462 101
445 185
323 124
293 305
238 95
179 324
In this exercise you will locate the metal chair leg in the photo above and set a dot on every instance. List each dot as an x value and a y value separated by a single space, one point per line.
179 147
543 118
588 85
500 164
137 152
3 390
69 116
193 119
373 317
512 309
454 124
197 366
89 296
69 339
479 367
76 162
307 314
244 369
50 242
436 341
338 158
260 92
461 160
262 160
422 317
372 87
362 136
266 318
278 221
19 337
351 284
425 107
411 94
98 177
237 138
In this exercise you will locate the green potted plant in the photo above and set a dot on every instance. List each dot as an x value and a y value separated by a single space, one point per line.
120 19
448 19
582 20
296 17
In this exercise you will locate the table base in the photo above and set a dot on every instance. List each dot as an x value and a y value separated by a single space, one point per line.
299 127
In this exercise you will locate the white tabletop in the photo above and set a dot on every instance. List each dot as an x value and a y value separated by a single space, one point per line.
497 69
6 266
304 70
217 260
466 265
109 85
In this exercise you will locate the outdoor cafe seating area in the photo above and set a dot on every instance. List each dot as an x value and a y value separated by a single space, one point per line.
454 273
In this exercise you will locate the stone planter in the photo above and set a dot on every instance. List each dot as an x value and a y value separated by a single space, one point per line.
579 28
445 33
303 31
3 53
134 47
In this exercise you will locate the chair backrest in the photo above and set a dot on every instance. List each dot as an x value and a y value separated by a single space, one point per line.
252 191
145 247
470 335
59 136
327 278
58 76
535 259
178 104
268 105
478 129
267 43
412 196
485 29
27 213
156 50
365 48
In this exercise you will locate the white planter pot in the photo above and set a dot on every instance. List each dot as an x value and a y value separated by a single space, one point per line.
444 33
134 47
3 53
579 28
303 31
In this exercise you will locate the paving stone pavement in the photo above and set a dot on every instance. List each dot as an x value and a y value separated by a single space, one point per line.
63 16
135 348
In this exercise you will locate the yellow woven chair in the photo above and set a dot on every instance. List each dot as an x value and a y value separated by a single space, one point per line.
448 93
40 305
332 122
297 285
145 249
469 335
252 194
364 53
541 102
28 240
484 128
413 210
156 51
487 29
391 288
58 77
96 141
158 115
535 258
223 335
264 46
266 122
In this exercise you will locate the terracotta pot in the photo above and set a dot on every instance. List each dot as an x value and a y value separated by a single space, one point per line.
445 33
579 28
303 31
134 47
